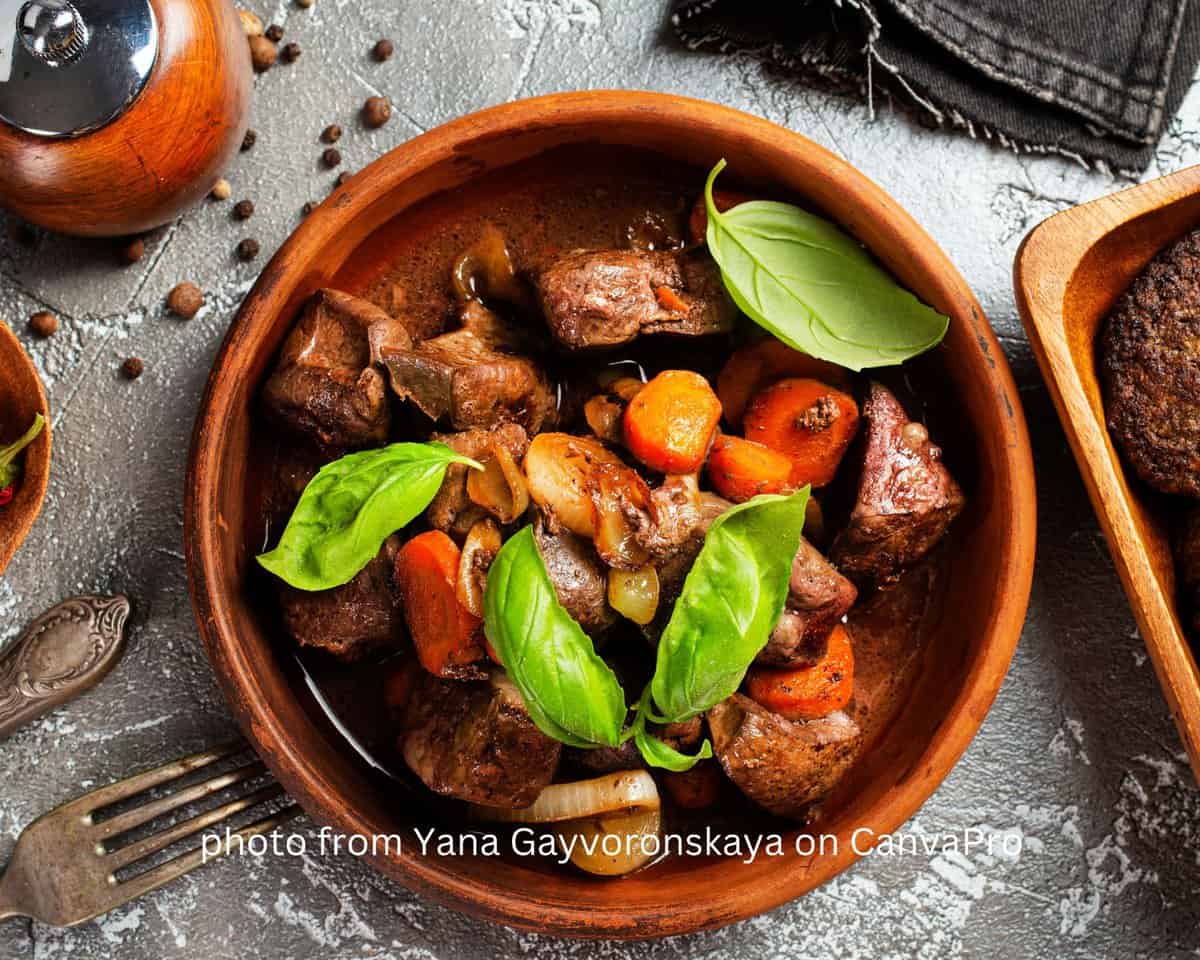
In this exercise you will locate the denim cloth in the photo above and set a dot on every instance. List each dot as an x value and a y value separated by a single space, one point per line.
1097 80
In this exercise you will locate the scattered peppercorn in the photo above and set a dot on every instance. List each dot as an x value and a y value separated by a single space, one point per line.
243 209
133 368
344 178
308 208
377 111
43 323
331 157
133 251
305 3
274 33
383 50
332 133
252 26
185 299
247 250
290 52
221 190
249 140
262 54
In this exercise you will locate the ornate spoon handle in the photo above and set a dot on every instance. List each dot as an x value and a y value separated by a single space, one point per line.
65 651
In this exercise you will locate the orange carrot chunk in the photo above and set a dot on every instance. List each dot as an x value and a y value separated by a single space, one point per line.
669 425
753 368
808 692
740 469
668 299
446 634
809 421
694 789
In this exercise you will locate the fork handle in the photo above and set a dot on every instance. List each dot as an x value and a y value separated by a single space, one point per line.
65 651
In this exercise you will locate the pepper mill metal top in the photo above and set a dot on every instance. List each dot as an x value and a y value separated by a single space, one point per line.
67 68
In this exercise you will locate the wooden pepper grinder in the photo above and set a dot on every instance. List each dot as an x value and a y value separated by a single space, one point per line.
115 115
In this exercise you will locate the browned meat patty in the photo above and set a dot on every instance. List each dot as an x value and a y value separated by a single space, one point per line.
472 377
475 741
451 510
579 577
783 766
352 620
1150 361
906 496
325 387
818 598
1187 552
604 298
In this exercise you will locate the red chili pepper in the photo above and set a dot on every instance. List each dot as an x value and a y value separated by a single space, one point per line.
7 494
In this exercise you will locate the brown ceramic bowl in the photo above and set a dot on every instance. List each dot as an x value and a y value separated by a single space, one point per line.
21 397
968 654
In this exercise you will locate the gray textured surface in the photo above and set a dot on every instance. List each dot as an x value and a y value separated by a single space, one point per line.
1078 756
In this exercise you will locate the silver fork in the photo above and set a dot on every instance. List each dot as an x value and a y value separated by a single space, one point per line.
64 868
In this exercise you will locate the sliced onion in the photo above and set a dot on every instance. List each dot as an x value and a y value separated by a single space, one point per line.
478 552
485 269
625 388
625 792
622 501
631 840
558 467
634 593
603 415
500 486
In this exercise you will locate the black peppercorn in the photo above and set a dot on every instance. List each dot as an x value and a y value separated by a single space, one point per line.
332 133
377 111
331 157
249 139
247 250
383 50
290 52
274 33
243 209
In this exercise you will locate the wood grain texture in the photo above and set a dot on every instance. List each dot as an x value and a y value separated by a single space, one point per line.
21 398
1067 275
158 158
980 621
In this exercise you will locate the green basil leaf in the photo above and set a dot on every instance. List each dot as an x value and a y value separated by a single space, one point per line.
10 470
571 693
351 506
814 287
655 752
731 601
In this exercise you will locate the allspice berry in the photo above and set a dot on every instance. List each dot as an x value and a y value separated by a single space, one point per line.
304 3
185 300
243 209
133 368
332 133
274 33
247 250
377 111
262 54
252 26
331 157
290 52
383 50
249 140
43 323
133 250
221 190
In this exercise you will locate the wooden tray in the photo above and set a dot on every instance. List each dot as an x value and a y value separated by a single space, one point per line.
1068 272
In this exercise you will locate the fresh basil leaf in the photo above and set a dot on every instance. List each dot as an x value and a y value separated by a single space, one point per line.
571 694
814 287
655 752
351 506
10 469
731 601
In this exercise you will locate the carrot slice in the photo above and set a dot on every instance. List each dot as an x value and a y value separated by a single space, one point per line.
694 789
740 469
808 421
750 369
444 632
670 424
698 219
809 692
668 299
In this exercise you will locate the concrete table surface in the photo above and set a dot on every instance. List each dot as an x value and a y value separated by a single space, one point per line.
1078 758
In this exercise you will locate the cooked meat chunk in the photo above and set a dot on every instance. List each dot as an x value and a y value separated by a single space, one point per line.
906 496
579 577
1150 360
475 741
451 510
677 520
472 377
352 620
781 765
684 737
818 598
325 387
604 298
1187 550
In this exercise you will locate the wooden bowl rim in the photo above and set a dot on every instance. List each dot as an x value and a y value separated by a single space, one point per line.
1067 237
595 109
17 519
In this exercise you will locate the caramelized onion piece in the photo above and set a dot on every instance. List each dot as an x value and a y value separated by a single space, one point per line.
558 468
634 593
500 486
485 269
614 794
603 415
478 552
622 502
613 846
